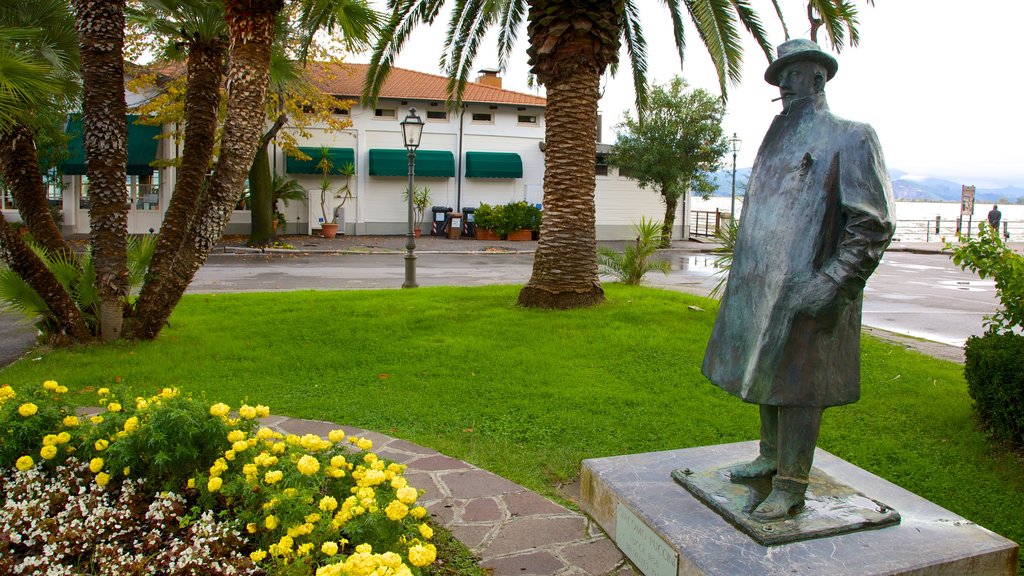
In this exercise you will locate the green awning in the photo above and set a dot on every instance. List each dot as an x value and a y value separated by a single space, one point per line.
142 145
493 165
395 162
339 157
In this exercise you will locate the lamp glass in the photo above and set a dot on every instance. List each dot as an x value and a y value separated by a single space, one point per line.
412 130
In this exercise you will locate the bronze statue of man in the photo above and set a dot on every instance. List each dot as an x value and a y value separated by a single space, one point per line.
817 216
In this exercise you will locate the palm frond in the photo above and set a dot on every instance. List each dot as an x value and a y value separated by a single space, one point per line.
470 21
140 251
635 261
837 17
18 296
752 22
716 26
636 49
678 32
26 83
509 23
405 16
726 235
355 19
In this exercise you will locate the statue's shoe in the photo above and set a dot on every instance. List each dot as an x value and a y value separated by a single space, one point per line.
779 504
759 467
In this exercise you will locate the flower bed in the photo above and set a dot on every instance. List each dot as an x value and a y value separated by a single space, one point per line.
166 485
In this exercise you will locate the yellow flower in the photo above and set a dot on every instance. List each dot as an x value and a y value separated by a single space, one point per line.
219 409
328 503
365 444
285 543
48 452
262 411
131 424
101 445
102 478
235 436
27 409
364 549
191 483
396 510
127 471
308 465
399 482
6 393
240 446
247 412
271 522
229 455
103 391
258 555
63 438
50 385
168 393
407 494
336 435
279 447
141 403
422 554
305 548
97 419
114 407
273 476
251 528
338 461
418 512
61 390
329 548
24 463
49 440
426 531
214 484
264 433
95 465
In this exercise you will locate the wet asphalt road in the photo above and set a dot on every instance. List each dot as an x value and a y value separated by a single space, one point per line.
919 295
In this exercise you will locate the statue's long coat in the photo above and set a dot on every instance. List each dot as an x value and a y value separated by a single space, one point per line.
818 202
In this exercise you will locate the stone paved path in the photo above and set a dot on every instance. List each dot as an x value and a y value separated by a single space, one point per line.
514 531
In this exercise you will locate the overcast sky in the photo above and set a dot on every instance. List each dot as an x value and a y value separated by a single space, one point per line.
939 80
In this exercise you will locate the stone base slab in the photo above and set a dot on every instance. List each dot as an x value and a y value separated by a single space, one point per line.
661 518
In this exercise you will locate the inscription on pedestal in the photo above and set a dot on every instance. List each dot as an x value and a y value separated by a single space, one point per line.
648 551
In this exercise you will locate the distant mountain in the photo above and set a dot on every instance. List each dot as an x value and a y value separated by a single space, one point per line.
904 187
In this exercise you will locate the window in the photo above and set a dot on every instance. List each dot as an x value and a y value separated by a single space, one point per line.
483 117
6 200
83 197
437 115
625 172
601 169
243 202
341 111
147 191
384 113
528 119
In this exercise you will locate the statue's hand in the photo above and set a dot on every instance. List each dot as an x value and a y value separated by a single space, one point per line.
816 294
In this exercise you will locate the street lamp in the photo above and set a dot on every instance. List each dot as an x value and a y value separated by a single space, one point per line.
412 131
735 143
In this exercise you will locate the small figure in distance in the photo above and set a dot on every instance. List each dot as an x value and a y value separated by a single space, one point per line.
994 217
818 215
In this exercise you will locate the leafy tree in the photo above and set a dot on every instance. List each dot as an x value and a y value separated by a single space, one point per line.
674 147
989 256
572 43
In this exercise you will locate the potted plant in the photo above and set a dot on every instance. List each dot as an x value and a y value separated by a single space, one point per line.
420 201
330 226
518 221
488 220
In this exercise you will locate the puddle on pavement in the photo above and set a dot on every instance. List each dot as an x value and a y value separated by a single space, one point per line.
698 263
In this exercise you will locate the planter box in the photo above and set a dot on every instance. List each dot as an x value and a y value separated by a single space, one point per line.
486 234
521 235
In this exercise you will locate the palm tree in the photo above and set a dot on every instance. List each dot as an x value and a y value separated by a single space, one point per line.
572 43
39 48
100 26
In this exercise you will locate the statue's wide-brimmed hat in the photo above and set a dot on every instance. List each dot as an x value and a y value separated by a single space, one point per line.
799 50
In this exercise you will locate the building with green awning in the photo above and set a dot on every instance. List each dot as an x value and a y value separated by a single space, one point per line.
339 158
428 163
142 148
493 165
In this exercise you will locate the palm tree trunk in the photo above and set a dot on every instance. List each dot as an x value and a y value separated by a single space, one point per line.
101 40
565 265
31 269
251 25
19 167
202 100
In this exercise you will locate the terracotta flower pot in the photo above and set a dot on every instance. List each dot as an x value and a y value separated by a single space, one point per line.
329 230
486 234
521 235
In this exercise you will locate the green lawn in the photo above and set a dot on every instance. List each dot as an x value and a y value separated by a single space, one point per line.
528 394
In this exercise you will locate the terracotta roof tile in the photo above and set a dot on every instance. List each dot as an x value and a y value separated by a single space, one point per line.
346 79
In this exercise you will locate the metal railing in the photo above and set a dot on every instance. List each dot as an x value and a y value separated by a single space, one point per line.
706 223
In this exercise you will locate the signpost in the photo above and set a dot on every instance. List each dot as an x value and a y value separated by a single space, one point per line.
967 206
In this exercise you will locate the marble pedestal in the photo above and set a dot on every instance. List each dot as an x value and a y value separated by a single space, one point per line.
666 531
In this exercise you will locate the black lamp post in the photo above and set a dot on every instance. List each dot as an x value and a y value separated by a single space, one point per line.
735 143
412 131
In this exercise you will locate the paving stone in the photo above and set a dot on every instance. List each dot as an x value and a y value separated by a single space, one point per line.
423 481
400 457
444 512
598 557
406 446
529 503
438 462
303 427
477 483
482 510
471 536
535 532
533 564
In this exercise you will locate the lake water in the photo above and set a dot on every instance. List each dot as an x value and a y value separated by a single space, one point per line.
915 221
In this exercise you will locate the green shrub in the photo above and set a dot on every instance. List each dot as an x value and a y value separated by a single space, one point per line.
988 255
630 265
489 217
994 368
